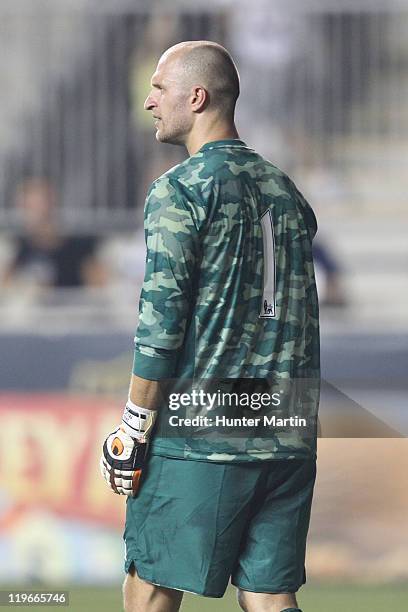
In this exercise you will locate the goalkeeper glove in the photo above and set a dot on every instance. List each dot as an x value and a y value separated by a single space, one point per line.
125 450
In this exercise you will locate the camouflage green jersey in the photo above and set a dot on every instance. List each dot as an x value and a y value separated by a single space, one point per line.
229 295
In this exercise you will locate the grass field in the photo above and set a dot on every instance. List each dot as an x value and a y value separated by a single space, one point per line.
312 598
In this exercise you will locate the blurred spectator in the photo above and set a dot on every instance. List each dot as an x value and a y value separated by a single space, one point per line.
159 33
271 47
325 260
44 257
323 184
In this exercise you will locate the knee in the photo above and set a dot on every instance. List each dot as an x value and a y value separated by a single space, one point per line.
139 595
127 592
135 592
242 600
259 602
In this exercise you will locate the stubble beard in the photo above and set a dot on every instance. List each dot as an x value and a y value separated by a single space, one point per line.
174 134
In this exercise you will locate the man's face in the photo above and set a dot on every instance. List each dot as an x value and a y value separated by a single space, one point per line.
168 101
36 206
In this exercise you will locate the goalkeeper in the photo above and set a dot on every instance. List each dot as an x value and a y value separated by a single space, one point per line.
229 294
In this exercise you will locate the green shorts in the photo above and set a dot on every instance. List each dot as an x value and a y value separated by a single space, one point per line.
196 524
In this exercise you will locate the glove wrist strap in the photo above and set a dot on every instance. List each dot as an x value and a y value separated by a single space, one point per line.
137 421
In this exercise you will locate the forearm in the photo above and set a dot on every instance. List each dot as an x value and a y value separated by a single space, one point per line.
145 398
146 393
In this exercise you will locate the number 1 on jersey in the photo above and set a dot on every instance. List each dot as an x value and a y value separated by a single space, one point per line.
268 306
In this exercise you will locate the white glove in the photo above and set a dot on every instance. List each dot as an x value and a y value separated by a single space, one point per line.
125 450
138 422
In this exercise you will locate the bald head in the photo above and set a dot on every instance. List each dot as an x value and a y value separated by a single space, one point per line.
193 94
209 65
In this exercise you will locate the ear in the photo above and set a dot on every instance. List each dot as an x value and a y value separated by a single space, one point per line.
199 98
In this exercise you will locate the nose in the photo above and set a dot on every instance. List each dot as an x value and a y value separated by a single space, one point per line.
149 102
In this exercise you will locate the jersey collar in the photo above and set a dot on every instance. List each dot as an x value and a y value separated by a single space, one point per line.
218 144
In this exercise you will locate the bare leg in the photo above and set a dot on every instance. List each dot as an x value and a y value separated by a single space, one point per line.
266 602
141 596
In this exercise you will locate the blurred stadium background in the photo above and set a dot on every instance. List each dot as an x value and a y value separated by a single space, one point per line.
325 97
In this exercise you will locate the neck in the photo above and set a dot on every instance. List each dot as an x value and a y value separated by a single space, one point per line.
196 139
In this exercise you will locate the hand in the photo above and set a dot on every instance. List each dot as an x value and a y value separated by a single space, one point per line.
125 450
122 462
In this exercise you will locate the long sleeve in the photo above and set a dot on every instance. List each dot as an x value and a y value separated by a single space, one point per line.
167 294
